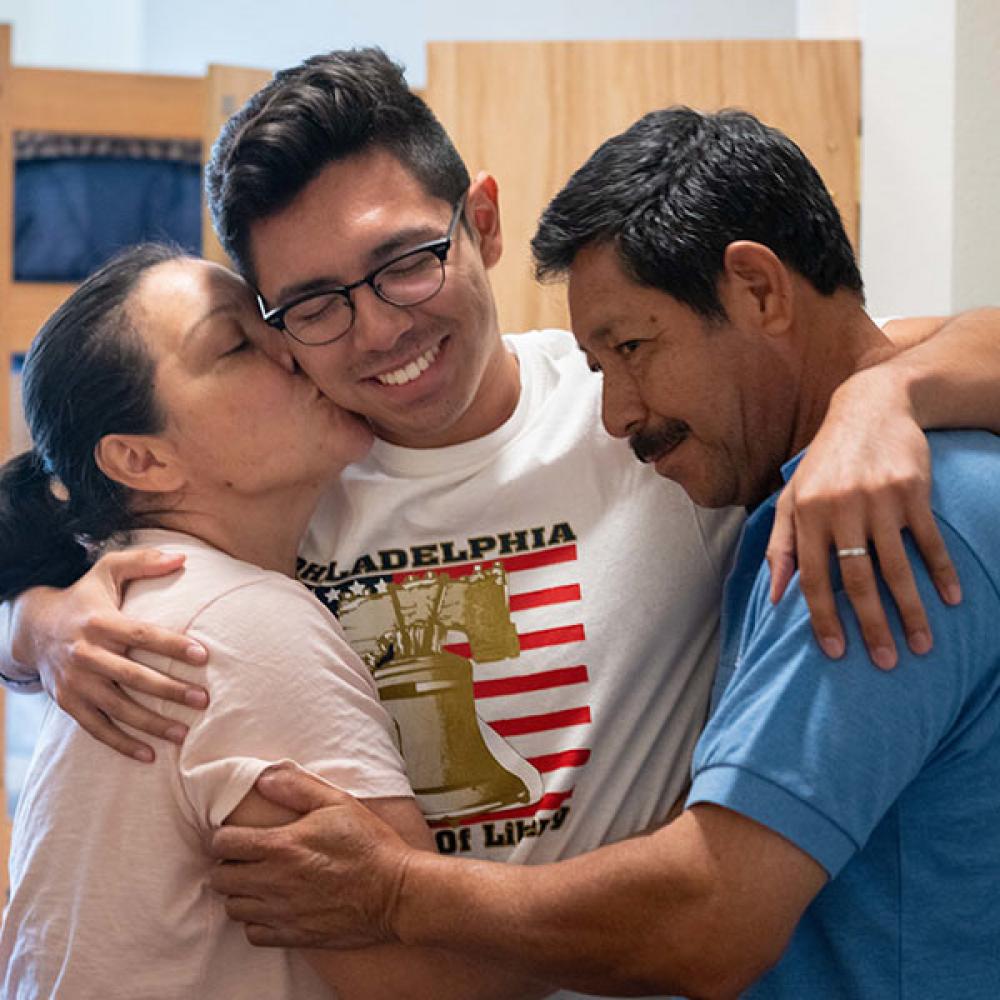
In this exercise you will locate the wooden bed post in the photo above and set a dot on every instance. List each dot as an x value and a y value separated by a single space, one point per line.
226 90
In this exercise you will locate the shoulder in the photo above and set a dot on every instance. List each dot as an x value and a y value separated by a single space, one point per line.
551 343
966 484
966 468
264 612
207 576
551 351
231 603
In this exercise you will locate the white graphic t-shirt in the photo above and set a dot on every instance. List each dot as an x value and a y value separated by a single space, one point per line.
540 614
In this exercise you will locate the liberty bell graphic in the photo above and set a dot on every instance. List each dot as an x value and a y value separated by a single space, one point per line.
456 763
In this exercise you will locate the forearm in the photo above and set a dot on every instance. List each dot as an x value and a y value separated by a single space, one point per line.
631 919
950 379
15 672
386 972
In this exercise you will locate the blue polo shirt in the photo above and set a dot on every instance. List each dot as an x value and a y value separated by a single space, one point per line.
890 781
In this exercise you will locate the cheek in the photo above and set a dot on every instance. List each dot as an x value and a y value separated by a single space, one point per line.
327 367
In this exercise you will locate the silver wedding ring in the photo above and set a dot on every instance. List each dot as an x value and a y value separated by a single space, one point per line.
849 553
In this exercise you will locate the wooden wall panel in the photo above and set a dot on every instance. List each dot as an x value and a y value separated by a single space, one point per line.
530 113
227 88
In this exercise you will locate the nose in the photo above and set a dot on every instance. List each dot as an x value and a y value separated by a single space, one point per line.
378 325
622 409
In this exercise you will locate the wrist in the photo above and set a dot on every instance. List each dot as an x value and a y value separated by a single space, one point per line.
893 386
19 663
26 611
417 898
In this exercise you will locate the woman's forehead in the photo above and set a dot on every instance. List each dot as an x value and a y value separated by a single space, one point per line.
177 295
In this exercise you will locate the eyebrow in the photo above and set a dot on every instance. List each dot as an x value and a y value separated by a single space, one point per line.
405 239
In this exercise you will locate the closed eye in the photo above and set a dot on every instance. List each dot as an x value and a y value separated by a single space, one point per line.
627 347
241 345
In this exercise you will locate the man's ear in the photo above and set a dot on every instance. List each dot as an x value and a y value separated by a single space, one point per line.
756 288
140 462
483 209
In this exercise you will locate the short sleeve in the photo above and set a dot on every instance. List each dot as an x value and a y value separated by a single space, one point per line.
284 685
818 750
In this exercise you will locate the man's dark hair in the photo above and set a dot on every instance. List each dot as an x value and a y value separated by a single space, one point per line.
327 108
675 189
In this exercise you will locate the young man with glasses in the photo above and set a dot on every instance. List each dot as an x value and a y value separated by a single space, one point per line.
494 523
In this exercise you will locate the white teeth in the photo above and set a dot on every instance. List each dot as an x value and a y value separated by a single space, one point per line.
400 376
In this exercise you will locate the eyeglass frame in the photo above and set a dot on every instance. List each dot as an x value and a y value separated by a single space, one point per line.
440 247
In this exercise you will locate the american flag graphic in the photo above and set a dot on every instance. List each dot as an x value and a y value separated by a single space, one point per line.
536 701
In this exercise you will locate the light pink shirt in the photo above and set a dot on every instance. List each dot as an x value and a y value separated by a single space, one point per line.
108 868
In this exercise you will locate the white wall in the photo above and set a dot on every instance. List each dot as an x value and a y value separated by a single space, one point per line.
975 278
184 36
908 98
87 34
272 35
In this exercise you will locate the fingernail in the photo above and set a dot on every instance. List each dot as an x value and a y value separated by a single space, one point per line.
144 754
196 653
176 734
953 593
832 646
920 641
196 698
883 657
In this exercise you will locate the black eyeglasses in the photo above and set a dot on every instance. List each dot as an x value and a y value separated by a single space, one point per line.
407 280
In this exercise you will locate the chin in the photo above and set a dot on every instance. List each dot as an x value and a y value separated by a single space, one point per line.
711 494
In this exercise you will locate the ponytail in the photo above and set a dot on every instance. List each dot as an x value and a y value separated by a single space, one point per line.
37 542
88 373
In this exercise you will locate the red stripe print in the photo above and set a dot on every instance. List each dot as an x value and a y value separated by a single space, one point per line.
544 557
543 598
512 564
554 761
548 802
541 723
528 640
530 682
551 637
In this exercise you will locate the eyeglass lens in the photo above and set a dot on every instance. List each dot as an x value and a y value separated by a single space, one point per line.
405 282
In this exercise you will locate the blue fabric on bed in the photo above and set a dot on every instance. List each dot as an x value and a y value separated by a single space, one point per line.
72 214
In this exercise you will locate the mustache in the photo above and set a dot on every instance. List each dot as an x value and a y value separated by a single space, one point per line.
651 443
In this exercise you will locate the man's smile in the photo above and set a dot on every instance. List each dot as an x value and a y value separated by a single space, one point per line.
402 374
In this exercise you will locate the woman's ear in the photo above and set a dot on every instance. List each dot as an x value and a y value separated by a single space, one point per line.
756 288
483 208
140 462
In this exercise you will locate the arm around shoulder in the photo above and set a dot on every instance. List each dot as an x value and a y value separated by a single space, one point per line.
949 369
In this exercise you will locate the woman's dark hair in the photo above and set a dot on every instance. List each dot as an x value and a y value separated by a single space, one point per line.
327 108
675 189
88 373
